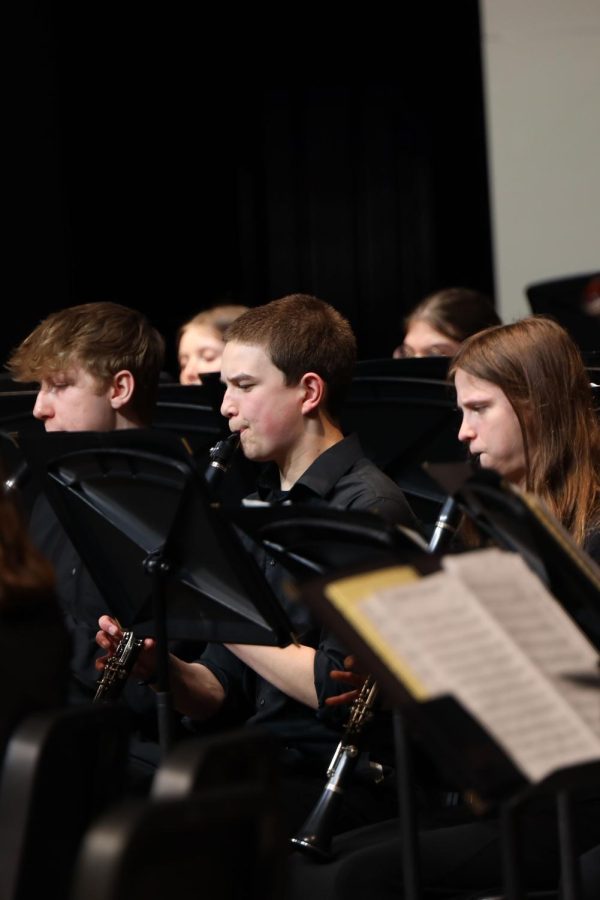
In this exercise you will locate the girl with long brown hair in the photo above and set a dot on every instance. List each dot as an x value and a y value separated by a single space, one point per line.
528 413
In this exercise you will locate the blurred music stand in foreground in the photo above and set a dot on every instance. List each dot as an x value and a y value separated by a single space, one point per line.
133 504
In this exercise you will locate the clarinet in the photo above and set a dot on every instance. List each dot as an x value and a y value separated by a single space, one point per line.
445 527
316 833
118 666
17 479
220 457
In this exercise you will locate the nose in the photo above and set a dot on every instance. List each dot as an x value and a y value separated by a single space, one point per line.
227 405
189 373
466 432
42 408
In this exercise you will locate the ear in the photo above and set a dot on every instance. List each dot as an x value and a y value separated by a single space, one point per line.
122 388
314 389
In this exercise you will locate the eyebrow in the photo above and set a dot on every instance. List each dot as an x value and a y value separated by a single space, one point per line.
60 375
235 378
473 401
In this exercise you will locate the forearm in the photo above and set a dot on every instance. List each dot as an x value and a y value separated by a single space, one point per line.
290 669
196 692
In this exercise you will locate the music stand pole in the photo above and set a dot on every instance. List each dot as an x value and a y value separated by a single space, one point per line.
411 868
569 861
158 568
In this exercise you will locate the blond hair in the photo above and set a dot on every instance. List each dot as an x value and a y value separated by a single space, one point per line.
103 338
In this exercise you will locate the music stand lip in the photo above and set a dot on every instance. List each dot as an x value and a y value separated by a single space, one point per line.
311 540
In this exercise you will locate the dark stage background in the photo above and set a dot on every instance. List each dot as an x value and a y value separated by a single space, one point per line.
171 160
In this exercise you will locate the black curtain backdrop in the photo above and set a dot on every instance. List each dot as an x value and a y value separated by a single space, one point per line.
173 160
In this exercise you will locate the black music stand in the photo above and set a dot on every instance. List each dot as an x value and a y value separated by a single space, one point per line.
133 504
312 540
404 412
564 300
192 411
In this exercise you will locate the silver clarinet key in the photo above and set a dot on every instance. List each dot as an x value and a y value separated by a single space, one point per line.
118 666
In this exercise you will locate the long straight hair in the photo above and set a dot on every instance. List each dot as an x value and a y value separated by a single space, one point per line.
539 369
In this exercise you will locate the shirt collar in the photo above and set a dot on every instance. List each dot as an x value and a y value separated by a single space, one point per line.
320 477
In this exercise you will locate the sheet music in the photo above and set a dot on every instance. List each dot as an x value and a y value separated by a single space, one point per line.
464 632
519 601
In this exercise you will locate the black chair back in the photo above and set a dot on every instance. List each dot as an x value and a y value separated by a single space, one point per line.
60 770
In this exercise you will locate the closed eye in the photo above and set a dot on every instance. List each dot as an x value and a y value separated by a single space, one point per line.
474 407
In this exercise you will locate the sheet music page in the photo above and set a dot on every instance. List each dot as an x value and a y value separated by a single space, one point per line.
437 631
518 600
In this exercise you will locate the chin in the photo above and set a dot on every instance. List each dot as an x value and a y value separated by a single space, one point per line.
253 454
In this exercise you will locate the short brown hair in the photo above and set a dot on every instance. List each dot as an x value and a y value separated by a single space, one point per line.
538 367
302 334
457 313
102 337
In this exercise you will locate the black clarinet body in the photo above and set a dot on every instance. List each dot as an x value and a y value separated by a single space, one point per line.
220 458
316 833
314 838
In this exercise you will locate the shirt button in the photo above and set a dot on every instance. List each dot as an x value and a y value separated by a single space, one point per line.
271 562
261 702
74 572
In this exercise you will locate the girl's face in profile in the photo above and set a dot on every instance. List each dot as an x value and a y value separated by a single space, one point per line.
422 339
490 427
200 350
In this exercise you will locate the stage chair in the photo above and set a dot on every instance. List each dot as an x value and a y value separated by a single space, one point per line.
60 770
247 756
209 828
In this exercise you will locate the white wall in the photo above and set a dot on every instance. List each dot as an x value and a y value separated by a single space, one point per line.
542 83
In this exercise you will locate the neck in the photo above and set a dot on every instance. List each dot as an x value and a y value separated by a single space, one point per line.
318 437
123 421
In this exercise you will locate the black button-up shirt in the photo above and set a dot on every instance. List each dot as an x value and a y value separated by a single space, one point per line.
342 478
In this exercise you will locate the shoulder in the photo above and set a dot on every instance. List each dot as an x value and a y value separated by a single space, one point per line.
366 488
